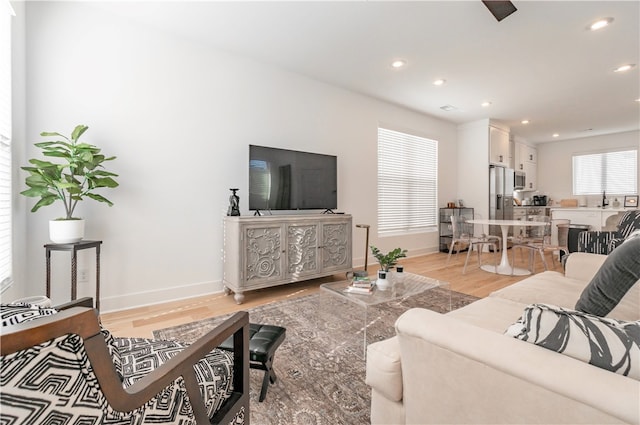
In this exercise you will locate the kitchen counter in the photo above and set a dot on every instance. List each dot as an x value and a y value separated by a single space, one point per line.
594 217
619 209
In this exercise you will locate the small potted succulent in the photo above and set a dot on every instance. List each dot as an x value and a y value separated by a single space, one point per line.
387 262
76 177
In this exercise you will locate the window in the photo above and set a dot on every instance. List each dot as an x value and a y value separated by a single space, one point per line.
5 149
407 183
611 172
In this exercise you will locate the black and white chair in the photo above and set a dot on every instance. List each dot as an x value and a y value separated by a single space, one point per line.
60 366
603 242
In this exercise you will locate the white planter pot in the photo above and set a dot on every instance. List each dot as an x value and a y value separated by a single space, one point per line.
66 231
383 283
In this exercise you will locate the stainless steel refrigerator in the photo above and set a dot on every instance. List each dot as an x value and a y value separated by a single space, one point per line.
500 196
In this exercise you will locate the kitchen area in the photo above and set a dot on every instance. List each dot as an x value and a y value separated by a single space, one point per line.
525 193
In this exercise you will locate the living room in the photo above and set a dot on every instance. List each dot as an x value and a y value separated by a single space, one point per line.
179 115
181 146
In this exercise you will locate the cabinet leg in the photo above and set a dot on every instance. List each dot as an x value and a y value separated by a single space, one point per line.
226 290
239 297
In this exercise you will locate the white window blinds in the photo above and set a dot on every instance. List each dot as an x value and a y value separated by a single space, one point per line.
5 148
611 172
407 183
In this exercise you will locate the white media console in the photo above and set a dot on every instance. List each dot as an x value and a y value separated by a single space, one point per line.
260 252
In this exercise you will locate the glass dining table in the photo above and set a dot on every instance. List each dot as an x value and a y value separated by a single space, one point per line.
505 266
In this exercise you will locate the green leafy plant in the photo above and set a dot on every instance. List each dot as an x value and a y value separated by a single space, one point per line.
77 177
387 261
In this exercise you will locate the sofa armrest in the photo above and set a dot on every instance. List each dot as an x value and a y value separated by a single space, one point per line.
501 379
583 266
384 370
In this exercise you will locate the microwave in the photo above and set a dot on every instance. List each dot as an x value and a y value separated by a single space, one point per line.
519 180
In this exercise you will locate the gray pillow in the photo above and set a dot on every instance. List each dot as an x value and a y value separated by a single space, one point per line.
619 272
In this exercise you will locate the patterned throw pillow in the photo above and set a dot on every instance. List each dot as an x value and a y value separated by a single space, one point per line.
610 344
12 314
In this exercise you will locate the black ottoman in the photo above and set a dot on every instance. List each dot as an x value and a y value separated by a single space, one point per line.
263 342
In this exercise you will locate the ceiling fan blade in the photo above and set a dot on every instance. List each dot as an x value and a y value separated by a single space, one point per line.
499 9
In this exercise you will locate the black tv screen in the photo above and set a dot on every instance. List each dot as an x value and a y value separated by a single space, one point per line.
282 179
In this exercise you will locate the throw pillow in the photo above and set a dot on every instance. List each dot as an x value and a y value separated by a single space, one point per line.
610 344
619 272
12 314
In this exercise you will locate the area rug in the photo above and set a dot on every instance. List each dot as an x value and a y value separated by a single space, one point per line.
320 365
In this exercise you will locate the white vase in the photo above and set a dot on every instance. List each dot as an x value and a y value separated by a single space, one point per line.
383 283
66 231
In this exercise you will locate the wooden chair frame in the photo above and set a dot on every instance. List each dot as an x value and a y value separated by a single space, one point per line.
84 322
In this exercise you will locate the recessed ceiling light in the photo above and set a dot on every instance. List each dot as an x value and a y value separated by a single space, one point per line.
398 63
448 108
624 68
525 121
439 82
638 99
485 104
600 23
555 135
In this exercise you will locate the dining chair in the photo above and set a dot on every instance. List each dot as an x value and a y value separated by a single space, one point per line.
536 240
463 234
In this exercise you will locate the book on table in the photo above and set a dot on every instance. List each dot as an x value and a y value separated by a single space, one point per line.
360 285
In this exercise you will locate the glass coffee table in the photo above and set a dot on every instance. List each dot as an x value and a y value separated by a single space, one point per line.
403 285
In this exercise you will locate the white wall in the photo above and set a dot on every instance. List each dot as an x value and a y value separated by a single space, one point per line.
179 116
18 112
555 163
473 166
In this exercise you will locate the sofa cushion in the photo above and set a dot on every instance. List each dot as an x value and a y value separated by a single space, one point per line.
384 370
610 344
547 287
490 313
616 276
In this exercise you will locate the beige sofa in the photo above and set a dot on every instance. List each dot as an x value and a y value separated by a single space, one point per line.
460 368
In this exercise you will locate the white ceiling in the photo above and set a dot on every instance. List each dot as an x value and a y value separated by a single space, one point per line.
541 63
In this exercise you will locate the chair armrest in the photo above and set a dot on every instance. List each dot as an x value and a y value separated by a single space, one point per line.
180 365
80 302
77 320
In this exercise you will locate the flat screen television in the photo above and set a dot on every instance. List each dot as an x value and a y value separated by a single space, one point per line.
282 179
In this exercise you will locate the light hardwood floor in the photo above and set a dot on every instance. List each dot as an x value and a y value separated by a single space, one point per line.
142 321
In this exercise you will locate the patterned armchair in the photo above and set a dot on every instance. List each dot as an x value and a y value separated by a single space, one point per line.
603 242
61 366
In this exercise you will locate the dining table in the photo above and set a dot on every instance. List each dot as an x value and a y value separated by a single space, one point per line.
505 266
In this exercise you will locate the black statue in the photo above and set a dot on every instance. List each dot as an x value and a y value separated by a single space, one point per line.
234 203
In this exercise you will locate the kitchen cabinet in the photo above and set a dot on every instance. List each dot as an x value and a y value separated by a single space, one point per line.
446 232
260 252
499 147
526 159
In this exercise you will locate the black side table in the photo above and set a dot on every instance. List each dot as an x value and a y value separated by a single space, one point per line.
74 248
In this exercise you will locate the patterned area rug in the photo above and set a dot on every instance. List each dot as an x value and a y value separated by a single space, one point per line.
320 365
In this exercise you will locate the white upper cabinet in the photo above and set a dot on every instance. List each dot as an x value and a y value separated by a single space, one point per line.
526 159
499 152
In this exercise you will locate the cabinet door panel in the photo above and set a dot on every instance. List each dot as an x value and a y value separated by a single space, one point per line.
263 256
302 249
336 246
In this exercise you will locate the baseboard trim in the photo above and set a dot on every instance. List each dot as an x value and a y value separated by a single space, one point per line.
163 295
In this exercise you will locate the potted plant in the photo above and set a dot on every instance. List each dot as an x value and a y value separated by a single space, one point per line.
387 261
76 177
